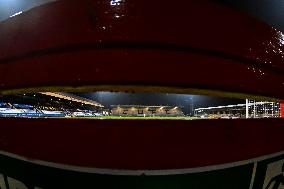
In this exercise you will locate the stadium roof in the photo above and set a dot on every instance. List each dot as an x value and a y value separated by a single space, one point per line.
74 98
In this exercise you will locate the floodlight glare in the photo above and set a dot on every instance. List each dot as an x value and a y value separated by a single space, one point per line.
18 13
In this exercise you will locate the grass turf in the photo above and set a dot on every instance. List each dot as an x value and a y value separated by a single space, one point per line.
140 118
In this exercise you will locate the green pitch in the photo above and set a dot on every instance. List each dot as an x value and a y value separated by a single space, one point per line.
144 118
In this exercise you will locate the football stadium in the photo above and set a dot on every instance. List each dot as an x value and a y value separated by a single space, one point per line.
141 94
68 105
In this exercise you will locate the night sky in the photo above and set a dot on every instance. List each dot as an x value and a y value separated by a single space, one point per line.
158 99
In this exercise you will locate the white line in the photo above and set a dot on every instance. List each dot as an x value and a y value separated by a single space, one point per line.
16 14
140 172
253 175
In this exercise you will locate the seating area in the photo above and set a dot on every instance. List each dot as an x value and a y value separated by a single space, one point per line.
41 105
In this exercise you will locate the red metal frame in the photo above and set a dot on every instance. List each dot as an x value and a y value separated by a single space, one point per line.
186 43
141 144
189 44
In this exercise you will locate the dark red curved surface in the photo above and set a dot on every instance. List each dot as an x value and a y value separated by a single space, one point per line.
184 43
142 43
140 67
146 144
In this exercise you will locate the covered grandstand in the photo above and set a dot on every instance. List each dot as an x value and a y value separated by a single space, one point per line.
48 104
138 110
61 104
251 109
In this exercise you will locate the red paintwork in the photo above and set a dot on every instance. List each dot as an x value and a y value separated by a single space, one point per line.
282 109
187 43
171 43
141 144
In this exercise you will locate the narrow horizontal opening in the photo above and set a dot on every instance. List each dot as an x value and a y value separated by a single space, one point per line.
135 105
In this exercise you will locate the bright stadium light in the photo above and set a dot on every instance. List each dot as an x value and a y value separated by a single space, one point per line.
18 13
12 8
115 2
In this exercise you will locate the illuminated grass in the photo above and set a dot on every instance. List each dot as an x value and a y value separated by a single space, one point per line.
143 118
